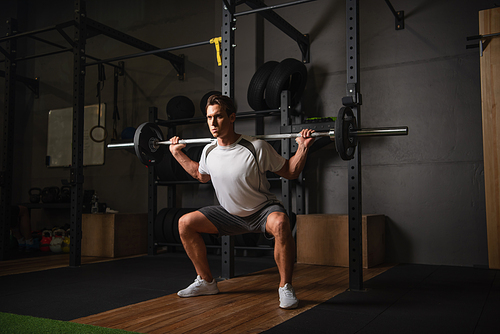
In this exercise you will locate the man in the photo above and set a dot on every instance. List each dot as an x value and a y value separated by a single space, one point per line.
236 164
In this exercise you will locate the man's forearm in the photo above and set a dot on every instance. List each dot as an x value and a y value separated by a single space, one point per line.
298 161
189 166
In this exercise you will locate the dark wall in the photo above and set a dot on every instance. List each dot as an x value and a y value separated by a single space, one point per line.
430 183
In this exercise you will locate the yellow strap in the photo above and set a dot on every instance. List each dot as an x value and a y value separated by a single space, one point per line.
217 41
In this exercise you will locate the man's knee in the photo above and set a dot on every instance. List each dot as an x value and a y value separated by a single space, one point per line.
278 224
195 222
184 223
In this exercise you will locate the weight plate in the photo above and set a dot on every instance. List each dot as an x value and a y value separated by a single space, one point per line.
175 225
344 143
144 144
164 170
180 107
168 222
159 236
250 239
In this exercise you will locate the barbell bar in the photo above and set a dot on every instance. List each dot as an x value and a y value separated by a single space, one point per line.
149 144
330 134
367 132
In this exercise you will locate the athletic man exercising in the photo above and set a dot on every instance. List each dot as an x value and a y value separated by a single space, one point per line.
236 164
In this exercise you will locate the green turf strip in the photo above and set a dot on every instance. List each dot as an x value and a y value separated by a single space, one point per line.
13 323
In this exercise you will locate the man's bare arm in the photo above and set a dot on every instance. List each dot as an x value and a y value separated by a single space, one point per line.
189 165
293 167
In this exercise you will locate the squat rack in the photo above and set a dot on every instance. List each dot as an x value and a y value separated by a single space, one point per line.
353 99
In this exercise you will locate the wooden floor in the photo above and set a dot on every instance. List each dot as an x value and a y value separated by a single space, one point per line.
247 304
52 261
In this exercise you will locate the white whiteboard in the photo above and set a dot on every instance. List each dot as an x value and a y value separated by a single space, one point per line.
60 138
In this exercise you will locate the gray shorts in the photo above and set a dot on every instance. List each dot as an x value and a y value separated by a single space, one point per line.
229 224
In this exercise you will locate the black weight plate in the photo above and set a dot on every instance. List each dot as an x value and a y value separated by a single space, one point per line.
344 143
167 225
144 138
175 225
158 230
239 240
194 152
180 107
164 170
179 171
251 239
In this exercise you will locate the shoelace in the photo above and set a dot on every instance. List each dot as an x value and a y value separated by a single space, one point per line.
288 292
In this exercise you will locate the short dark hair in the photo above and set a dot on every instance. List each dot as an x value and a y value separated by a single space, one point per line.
225 103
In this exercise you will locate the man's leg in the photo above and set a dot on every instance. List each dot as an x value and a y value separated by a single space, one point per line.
278 225
190 227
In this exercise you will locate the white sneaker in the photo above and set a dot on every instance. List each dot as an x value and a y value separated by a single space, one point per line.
288 299
199 287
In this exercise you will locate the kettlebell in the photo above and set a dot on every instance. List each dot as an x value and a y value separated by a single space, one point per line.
35 195
50 194
57 241
65 196
66 242
47 197
45 242
55 193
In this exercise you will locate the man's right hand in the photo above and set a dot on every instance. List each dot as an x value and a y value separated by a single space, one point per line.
175 146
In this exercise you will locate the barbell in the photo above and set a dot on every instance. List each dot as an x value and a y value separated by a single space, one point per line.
149 142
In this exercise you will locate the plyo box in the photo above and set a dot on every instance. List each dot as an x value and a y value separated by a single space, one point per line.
114 234
323 239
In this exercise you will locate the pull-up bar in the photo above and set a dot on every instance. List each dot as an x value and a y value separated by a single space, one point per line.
38 31
147 53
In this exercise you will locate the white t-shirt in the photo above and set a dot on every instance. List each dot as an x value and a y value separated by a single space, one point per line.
239 180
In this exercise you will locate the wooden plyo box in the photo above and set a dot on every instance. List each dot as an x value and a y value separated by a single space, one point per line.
323 239
114 234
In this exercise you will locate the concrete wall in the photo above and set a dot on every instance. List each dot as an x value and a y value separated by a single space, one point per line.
429 184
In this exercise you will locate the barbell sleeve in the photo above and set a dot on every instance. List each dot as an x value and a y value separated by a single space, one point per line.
120 145
387 131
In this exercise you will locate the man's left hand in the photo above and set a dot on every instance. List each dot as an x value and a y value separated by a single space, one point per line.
305 138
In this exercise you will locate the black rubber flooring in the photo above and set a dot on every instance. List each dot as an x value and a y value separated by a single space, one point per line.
70 293
410 299
404 299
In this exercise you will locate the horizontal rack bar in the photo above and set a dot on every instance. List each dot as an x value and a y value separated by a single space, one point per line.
272 7
147 53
